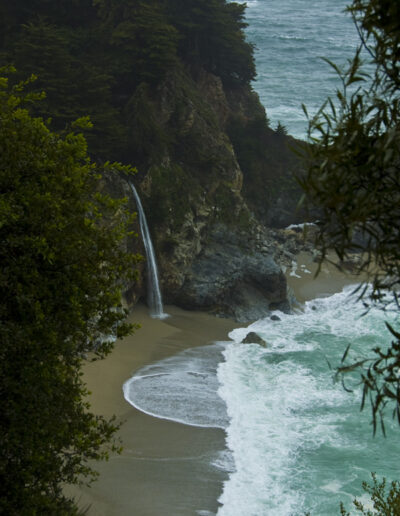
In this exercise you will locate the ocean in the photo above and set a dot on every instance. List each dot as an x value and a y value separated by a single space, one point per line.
296 441
290 38
299 441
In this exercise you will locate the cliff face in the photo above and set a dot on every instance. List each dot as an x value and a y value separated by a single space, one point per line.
207 213
166 85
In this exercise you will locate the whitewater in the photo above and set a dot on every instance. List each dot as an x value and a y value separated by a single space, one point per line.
299 441
296 441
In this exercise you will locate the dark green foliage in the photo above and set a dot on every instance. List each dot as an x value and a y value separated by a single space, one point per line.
91 56
281 130
266 163
62 264
379 29
250 151
141 40
354 177
74 86
213 38
144 132
173 194
71 13
384 503
42 49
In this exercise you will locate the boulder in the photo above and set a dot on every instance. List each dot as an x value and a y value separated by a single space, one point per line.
233 277
253 338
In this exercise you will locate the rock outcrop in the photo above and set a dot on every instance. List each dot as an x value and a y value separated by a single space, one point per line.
235 276
209 228
253 338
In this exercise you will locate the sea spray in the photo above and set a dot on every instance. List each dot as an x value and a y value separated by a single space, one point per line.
154 298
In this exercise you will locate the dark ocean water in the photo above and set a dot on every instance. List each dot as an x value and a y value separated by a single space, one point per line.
290 37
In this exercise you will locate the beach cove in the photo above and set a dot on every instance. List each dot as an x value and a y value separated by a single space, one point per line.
164 468
158 471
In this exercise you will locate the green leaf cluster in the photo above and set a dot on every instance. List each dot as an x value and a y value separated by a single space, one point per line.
63 266
385 503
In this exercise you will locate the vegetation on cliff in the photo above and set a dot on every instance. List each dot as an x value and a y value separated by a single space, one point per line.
91 57
140 70
166 84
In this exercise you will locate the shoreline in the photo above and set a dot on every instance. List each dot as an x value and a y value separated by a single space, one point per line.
164 468
305 286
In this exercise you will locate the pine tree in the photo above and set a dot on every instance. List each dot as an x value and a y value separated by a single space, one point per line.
74 86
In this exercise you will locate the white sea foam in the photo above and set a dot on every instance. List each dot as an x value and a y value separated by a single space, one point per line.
181 388
224 461
294 433
296 441
301 226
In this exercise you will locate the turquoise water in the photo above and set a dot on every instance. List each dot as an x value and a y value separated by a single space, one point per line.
290 37
295 439
298 440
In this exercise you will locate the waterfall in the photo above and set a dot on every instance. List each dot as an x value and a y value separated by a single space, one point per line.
154 299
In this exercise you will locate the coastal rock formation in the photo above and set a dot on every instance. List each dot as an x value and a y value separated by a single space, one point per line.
167 86
253 338
213 248
233 276
206 203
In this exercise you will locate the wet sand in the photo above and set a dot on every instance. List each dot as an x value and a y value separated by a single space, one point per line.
164 467
306 286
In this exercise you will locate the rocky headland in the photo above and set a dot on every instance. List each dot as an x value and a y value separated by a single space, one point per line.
167 86
217 196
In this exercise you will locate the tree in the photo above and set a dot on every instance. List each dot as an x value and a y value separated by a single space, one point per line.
213 38
142 41
385 503
75 85
353 178
62 267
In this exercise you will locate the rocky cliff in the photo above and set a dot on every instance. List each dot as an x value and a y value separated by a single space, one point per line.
166 84
217 179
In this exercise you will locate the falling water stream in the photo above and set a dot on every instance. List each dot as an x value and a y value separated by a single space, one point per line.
154 299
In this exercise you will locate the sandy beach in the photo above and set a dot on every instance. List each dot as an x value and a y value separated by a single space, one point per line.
304 283
160 471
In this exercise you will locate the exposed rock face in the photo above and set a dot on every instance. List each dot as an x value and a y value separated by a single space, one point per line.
253 338
233 277
206 217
